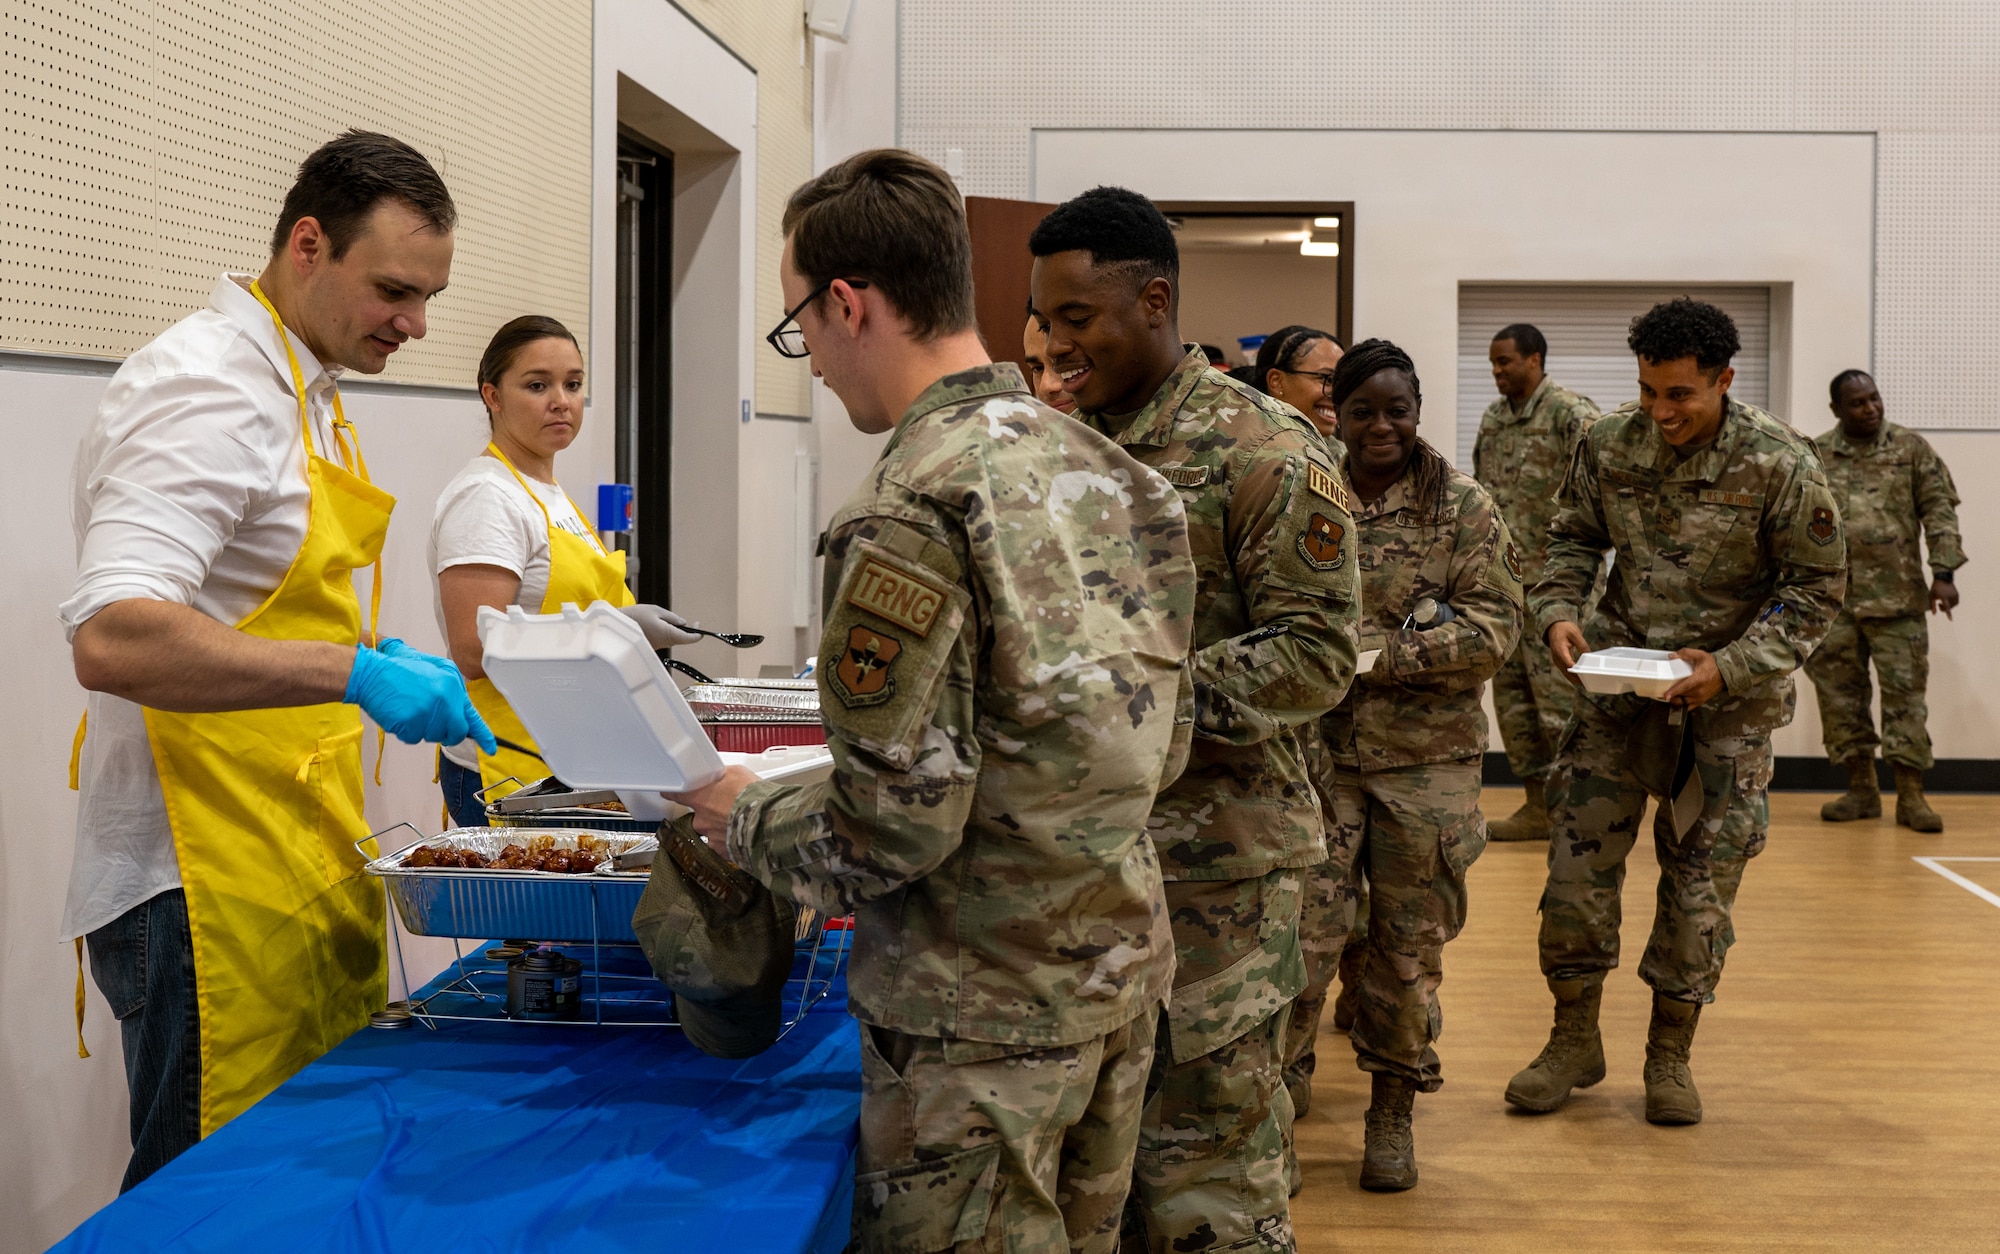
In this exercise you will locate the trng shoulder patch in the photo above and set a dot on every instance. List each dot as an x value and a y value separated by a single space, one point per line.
1321 482
898 596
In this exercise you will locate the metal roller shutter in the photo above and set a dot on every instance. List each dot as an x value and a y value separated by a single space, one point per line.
1585 325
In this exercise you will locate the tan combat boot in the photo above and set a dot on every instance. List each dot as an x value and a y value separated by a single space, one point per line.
1670 1092
1574 1056
1863 798
1530 822
1912 811
1389 1154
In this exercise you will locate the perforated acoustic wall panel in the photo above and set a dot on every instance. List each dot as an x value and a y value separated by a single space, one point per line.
982 78
1585 325
145 148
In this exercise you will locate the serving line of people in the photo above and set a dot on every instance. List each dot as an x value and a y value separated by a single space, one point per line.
1104 818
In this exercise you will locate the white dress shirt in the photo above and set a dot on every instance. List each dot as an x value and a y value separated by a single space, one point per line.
484 518
189 487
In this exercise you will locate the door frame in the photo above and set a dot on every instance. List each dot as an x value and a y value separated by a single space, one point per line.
645 454
1343 209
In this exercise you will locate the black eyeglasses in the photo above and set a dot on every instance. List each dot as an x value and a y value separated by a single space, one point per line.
1325 378
787 337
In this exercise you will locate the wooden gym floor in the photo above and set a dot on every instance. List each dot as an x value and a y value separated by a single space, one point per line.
1849 1068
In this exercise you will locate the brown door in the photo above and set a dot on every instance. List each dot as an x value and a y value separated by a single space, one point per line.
1000 264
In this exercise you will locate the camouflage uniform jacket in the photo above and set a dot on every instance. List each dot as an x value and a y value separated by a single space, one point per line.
1420 703
1887 490
1736 550
1007 617
1520 458
1275 614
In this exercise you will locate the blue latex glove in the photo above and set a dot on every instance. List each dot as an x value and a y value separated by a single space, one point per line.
391 646
416 697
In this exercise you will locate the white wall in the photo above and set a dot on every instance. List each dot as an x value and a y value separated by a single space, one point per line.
1436 208
661 74
997 81
854 109
67 1137
66 1117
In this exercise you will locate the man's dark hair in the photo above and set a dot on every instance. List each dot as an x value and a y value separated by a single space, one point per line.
1840 381
1527 339
340 184
1282 349
1367 359
1683 327
1117 227
1216 357
896 220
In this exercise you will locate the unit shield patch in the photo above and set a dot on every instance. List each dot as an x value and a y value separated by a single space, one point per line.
1822 528
1319 543
862 676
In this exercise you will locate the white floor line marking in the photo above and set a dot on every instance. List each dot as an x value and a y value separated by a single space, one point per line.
1984 894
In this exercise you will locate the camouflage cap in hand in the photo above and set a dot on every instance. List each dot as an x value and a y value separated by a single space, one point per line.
721 941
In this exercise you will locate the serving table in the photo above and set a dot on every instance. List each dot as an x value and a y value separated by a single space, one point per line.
508 1136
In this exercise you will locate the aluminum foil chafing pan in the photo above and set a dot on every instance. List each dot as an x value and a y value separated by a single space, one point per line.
548 803
532 905
740 701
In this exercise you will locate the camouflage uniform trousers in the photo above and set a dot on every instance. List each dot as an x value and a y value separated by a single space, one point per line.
1007 1149
1532 702
1901 650
1331 913
1210 1172
1595 805
1418 828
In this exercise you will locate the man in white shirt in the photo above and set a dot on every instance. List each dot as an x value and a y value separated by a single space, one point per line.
217 510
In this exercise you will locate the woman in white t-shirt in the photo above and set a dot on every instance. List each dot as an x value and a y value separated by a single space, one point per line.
507 534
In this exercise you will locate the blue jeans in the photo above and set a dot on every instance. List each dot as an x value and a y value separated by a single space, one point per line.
461 793
143 962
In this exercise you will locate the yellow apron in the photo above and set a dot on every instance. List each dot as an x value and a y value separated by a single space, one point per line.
580 571
266 806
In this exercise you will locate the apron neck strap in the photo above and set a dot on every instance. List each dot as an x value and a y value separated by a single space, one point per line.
347 444
493 447
347 447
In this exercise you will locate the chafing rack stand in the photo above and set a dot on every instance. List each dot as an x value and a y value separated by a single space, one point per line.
589 916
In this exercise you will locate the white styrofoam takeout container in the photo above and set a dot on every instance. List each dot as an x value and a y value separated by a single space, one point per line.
601 707
788 764
1648 672
605 713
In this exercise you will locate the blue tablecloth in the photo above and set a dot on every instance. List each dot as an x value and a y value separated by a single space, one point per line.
489 1137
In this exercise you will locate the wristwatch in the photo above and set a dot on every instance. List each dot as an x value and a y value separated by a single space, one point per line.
1942 576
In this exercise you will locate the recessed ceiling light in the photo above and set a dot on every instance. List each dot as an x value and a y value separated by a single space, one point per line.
1326 223
1314 248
